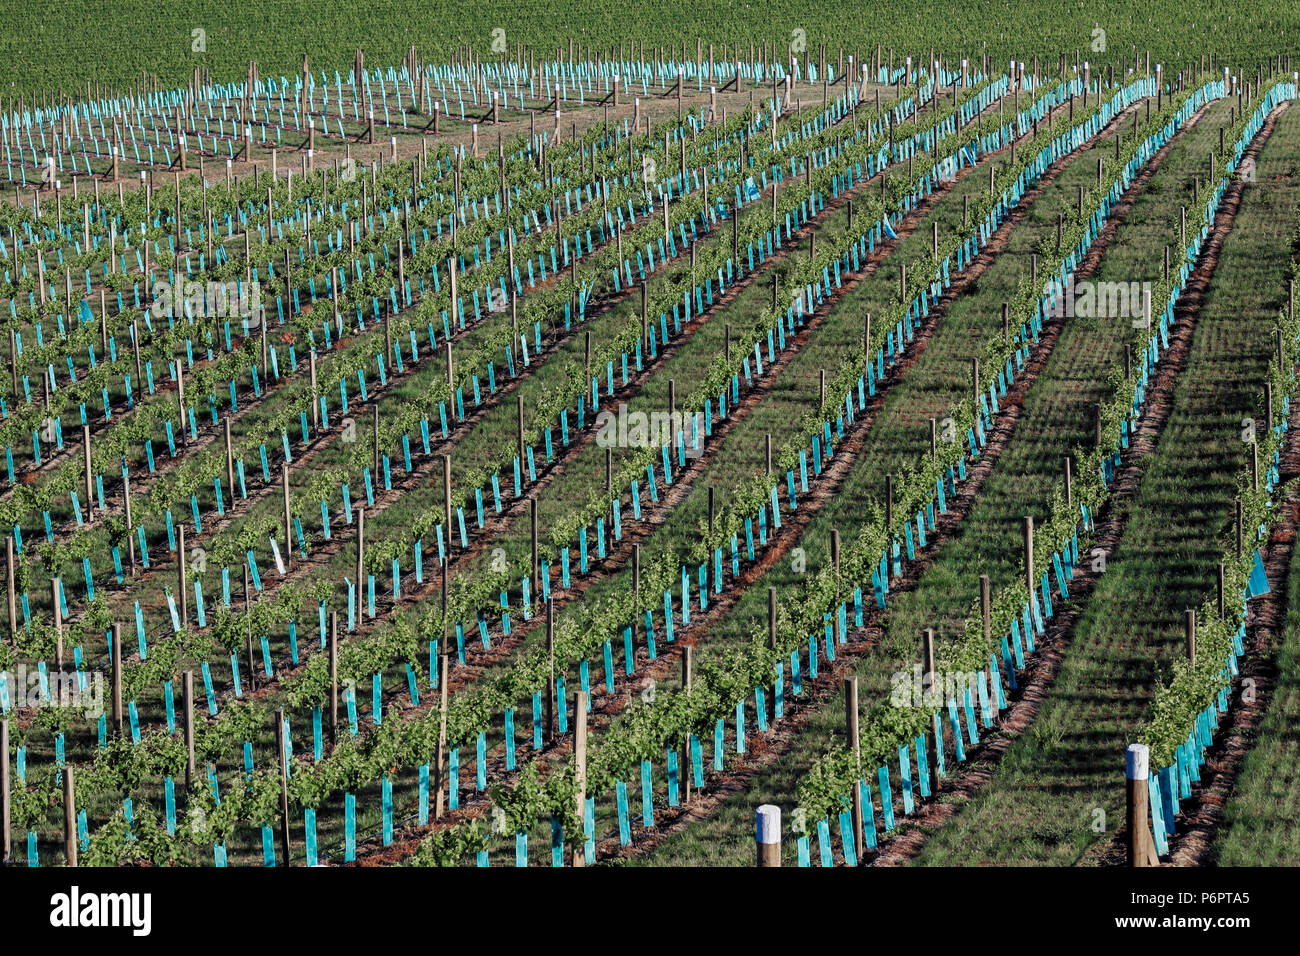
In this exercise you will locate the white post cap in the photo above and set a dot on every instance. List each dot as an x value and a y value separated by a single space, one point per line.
1136 760
767 824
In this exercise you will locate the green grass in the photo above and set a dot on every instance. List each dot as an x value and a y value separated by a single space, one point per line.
1056 416
60 46
1040 806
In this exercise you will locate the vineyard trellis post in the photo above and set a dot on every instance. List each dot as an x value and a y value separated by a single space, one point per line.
230 456
5 830
688 667
1029 555
69 816
361 553
117 678
180 574
126 508
440 756
187 703
579 762
855 744
315 400
550 680
248 629
85 447
767 835
284 784
10 572
180 403
1191 636
1141 849
56 585
334 677
536 573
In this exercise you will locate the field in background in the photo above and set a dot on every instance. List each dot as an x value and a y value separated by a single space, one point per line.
58 46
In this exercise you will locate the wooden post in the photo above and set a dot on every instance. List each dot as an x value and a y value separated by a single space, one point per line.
180 405
187 703
117 678
6 840
446 500
537 570
315 398
1141 850
550 682
360 563
288 519
767 835
771 618
69 816
334 677
519 408
85 447
580 762
230 459
851 728
1029 555
248 633
441 754
56 586
930 691
10 572
928 674
1191 636
284 785
451 380
1069 482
